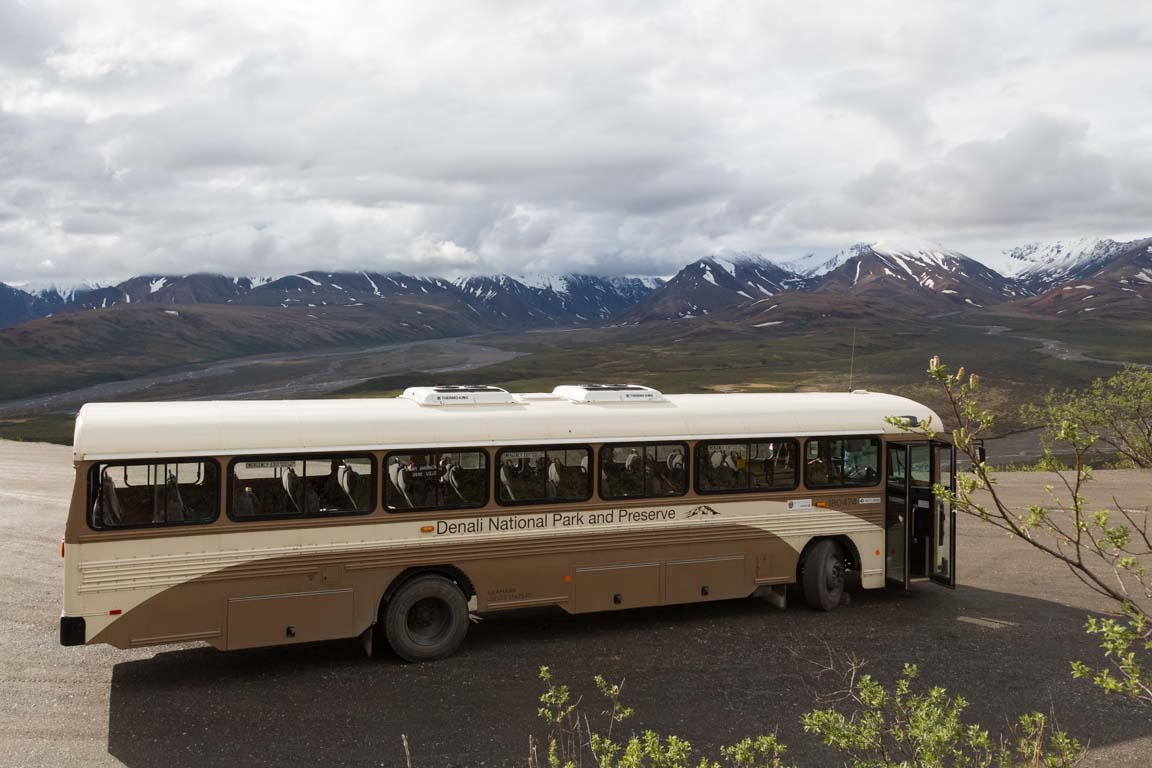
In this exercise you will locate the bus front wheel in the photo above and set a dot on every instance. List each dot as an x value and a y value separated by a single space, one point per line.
426 619
822 575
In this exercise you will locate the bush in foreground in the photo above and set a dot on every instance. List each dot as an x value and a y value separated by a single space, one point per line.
883 728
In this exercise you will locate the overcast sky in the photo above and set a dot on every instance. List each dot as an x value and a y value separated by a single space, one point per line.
620 137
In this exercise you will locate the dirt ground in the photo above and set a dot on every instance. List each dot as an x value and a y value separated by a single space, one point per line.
710 673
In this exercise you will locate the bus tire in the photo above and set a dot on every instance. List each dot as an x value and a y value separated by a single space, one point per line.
426 619
823 574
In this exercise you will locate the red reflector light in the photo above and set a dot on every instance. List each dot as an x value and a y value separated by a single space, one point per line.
115 612
61 547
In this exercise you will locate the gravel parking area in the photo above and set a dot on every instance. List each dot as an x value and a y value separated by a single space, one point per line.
710 673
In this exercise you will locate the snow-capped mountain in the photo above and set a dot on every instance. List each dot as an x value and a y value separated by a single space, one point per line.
340 289
59 291
925 273
713 283
1039 266
1113 280
557 298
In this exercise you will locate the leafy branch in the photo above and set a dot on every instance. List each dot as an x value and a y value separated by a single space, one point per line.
1106 549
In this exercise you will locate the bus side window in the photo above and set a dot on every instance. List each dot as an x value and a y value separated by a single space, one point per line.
643 470
756 465
301 486
842 462
722 466
543 474
436 480
131 495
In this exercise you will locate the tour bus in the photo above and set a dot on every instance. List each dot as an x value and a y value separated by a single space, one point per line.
243 524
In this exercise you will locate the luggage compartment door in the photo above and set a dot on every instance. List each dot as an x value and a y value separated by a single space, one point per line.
299 617
612 587
702 579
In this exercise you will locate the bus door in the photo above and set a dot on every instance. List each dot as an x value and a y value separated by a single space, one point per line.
920 527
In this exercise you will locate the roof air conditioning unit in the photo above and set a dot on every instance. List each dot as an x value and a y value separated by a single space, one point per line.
609 393
458 395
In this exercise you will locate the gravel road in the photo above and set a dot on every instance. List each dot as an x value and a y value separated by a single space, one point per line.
710 673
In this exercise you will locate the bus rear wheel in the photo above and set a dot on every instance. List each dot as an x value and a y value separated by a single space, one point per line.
426 619
823 574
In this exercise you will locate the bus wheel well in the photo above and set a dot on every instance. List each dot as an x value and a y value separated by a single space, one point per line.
854 562
449 571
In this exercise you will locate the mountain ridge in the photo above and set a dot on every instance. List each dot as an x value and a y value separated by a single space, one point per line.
913 275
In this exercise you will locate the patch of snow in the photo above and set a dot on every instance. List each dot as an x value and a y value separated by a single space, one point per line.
770 322
544 282
305 277
969 301
157 284
65 290
172 312
947 290
371 282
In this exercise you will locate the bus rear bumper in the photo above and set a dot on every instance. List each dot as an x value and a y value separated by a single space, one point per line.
72 630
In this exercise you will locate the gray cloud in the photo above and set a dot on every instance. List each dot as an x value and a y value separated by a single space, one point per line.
456 137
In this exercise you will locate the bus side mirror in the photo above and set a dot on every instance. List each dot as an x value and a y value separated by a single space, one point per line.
981 452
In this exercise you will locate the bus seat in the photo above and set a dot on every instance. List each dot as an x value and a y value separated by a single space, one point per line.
110 503
291 483
397 475
173 501
348 480
506 481
244 503
452 480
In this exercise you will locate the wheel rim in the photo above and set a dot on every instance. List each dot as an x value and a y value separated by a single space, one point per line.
834 574
428 621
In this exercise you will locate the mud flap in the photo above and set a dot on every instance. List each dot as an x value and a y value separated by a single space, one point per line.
775 594
368 640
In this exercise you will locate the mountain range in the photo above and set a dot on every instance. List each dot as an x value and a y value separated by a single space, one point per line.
1065 279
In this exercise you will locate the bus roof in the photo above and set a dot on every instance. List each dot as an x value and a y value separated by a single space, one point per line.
204 428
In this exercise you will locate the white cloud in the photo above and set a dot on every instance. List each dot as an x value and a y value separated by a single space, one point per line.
142 137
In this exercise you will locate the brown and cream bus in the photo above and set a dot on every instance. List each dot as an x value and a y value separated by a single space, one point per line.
244 524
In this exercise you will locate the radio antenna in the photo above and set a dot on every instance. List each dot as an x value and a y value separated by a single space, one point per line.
852 360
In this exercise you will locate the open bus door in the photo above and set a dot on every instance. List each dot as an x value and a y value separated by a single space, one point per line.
920 527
